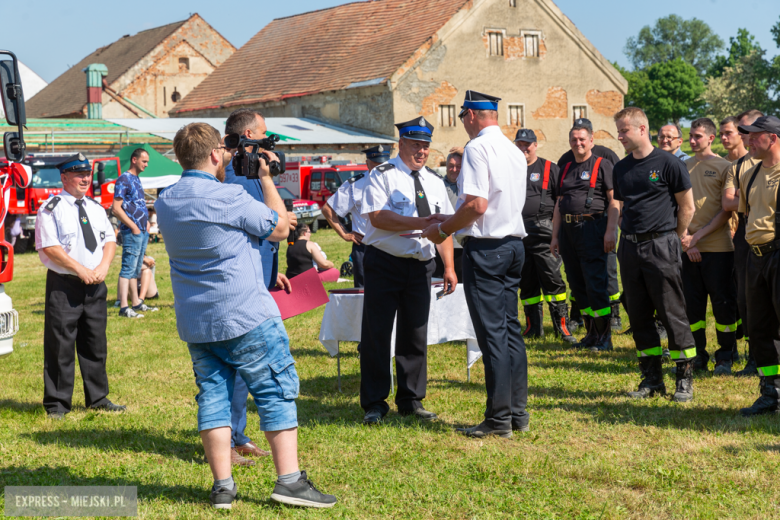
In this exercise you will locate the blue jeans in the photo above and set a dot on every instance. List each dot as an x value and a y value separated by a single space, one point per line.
238 412
133 250
262 358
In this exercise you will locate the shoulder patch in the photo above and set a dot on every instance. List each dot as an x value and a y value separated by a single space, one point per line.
353 180
385 167
53 203
93 200
430 170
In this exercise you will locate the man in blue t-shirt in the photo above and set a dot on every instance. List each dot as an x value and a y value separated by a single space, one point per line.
130 208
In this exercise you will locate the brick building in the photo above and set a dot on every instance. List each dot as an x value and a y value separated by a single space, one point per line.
148 73
370 64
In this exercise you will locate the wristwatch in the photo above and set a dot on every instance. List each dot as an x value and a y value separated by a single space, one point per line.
442 234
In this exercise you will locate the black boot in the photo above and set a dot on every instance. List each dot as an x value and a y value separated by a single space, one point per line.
590 334
750 370
652 378
533 320
603 340
768 401
684 385
615 322
575 318
559 312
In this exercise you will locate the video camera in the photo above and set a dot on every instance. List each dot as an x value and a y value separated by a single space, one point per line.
246 162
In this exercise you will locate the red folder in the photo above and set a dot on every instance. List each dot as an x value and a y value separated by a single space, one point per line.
307 294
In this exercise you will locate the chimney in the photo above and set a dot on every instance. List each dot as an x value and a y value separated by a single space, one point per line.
95 73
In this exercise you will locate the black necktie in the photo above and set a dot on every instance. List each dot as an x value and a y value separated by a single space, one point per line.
420 200
86 227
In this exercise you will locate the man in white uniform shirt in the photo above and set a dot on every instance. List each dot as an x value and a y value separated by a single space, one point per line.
400 197
76 242
489 222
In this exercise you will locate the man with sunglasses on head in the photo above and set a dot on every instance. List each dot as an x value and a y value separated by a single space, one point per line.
76 242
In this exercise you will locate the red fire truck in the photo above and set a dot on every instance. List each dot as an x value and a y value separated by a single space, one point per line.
11 174
24 201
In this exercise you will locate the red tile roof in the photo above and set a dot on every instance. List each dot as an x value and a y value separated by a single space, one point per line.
322 50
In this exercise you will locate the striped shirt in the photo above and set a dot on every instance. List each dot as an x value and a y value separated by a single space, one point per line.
212 231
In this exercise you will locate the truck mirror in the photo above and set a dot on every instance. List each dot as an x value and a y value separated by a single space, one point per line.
13 98
101 173
14 146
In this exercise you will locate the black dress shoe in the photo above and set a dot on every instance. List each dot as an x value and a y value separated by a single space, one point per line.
373 416
108 406
521 424
55 416
420 413
482 430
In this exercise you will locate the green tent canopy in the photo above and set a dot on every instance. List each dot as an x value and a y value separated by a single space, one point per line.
161 172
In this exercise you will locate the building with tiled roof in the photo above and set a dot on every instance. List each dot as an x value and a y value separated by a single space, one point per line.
370 64
148 73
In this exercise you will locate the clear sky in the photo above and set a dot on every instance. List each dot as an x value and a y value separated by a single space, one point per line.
50 36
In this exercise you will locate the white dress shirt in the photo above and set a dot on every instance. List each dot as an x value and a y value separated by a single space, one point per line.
60 227
349 199
494 169
393 190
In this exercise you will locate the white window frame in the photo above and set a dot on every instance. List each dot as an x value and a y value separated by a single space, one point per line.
538 34
509 108
452 115
501 32
574 117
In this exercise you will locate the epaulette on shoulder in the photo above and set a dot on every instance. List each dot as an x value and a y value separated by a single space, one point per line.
353 180
52 203
430 171
93 200
385 167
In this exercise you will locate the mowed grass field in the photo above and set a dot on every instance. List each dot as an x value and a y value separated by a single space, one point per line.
591 452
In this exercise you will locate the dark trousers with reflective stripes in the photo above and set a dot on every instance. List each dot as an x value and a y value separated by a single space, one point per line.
712 277
612 281
582 248
358 252
402 286
652 283
741 252
491 278
74 324
762 284
541 270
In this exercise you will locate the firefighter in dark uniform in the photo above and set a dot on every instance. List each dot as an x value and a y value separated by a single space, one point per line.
541 270
655 190
348 201
76 242
584 234
759 200
614 289
399 199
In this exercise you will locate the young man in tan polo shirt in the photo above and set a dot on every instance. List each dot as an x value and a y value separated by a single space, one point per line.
708 262
758 200
741 164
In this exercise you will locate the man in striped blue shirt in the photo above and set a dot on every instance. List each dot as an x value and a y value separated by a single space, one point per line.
225 314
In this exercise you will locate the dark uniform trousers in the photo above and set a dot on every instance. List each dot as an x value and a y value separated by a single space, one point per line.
541 270
612 282
652 282
582 248
762 284
741 251
403 286
75 322
358 253
491 275
712 277
457 260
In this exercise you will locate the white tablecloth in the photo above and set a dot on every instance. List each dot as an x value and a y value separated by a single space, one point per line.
448 320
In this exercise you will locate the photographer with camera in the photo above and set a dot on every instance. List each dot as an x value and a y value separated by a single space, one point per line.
225 313
250 125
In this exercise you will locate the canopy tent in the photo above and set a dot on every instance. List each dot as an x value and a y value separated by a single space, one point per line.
161 171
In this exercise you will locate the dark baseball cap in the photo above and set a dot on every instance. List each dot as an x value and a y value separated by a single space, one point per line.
769 124
582 122
525 135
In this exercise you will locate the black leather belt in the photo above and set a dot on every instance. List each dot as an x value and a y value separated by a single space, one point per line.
569 219
765 248
644 237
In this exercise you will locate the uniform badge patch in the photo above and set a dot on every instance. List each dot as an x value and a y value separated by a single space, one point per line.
421 194
585 176
654 176
102 235
535 177
84 220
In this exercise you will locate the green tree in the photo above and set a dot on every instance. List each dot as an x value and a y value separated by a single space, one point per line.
743 86
672 92
743 45
672 37
637 83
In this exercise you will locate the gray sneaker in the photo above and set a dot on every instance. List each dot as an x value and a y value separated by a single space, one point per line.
302 493
144 308
128 312
222 498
